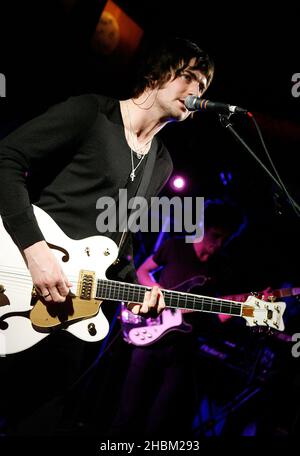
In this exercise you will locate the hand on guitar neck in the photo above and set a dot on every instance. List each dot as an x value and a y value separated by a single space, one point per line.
153 298
153 302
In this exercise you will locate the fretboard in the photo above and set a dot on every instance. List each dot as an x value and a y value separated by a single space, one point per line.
120 291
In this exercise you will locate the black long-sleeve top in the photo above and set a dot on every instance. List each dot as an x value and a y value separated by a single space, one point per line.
63 161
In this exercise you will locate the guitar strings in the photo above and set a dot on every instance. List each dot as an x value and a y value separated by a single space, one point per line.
112 287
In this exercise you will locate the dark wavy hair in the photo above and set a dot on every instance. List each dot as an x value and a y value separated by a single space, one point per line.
167 57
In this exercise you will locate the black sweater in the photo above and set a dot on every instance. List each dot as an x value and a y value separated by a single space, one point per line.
63 161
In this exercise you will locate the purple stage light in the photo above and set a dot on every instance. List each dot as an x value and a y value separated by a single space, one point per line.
178 183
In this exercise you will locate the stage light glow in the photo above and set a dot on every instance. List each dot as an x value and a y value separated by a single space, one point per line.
178 183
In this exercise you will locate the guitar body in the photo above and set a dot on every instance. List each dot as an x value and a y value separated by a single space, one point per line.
141 331
19 332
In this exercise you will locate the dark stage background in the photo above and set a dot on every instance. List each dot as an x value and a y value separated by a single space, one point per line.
47 55
48 52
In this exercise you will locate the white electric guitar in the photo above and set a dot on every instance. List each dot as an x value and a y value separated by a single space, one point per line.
26 319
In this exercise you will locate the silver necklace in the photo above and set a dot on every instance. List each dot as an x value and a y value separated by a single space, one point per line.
140 156
134 168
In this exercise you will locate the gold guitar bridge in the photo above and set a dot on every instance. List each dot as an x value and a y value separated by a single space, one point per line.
87 285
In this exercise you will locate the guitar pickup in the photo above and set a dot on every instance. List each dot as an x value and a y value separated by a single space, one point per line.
86 285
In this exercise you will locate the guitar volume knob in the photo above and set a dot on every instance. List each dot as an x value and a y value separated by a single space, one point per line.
92 329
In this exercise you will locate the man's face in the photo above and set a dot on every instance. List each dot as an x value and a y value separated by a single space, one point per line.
170 98
212 242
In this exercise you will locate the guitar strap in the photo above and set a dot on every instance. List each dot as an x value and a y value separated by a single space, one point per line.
142 188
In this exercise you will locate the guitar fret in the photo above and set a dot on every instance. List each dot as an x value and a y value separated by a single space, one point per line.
206 306
117 290
215 307
186 301
120 291
139 295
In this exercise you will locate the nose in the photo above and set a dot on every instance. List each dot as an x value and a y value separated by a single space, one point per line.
194 89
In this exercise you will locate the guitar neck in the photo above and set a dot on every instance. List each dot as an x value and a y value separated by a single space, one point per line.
279 293
285 292
120 291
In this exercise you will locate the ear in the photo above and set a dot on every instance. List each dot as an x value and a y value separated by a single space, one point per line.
151 82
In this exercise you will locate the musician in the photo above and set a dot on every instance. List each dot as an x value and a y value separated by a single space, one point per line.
160 391
63 161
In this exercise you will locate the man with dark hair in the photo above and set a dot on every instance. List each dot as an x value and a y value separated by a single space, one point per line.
90 146
87 147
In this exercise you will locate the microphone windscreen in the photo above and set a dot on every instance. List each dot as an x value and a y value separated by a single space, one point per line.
189 103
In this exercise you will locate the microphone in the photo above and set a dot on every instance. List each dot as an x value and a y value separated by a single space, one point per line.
193 103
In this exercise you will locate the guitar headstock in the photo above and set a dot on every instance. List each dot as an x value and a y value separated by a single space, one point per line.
258 312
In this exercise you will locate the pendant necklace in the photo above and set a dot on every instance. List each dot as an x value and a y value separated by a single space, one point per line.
139 155
134 168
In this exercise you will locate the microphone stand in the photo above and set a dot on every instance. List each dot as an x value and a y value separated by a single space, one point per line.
225 122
